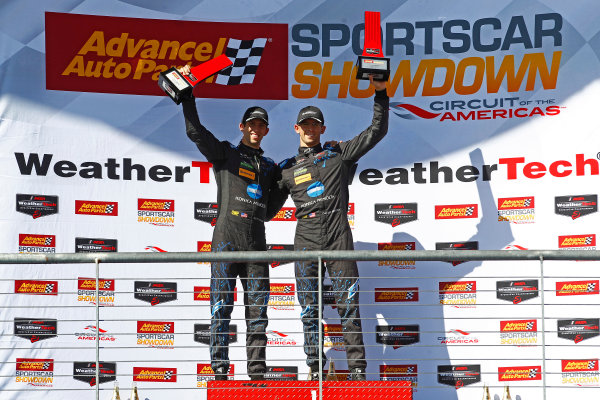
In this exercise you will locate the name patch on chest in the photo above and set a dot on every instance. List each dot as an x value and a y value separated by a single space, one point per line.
247 174
302 178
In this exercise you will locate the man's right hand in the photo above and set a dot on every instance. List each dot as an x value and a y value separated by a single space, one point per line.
185 70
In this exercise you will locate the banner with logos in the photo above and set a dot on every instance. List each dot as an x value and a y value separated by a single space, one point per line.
492 144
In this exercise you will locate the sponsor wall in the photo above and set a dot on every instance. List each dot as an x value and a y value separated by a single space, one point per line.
492 144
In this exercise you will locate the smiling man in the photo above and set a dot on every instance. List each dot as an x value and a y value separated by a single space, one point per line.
244 179
317 179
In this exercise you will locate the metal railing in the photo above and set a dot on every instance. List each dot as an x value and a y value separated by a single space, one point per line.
319 256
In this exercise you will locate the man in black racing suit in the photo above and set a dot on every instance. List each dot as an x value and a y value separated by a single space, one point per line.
244 179
317 179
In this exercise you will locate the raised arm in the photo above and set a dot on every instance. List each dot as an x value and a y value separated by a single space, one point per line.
358 146
207 143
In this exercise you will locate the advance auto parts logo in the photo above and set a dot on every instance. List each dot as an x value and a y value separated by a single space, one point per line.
202 293
155 292
577 288
205 373
90 53
37 205
31 243
400 246
151 374
578 330
282 296
519 332
458 294
576 206
577 242
333 337
580 372
35 371
36 287
456 211
518 210
156 212
285 214
86 291
403 372
387 295
86 372
35 329
156 334
529 373
89 207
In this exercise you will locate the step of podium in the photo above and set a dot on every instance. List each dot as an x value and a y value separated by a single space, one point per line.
309 390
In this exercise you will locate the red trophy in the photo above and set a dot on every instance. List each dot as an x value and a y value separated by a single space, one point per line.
372 61
180 87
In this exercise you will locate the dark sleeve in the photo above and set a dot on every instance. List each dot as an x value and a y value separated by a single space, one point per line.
358 146
277 195
207 143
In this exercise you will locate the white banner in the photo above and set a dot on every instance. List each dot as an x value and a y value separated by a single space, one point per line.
492 145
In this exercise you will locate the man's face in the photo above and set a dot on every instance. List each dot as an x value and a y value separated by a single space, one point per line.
310 131
253 132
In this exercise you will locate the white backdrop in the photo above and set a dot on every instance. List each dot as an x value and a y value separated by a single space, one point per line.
493 107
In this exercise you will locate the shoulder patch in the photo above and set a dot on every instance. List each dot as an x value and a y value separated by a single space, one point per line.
288 162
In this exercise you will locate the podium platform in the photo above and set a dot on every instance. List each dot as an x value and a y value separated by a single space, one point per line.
308 390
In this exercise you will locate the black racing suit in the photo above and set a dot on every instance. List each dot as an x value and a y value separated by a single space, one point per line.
244 181
317 178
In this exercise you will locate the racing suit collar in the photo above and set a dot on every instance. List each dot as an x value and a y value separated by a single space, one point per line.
249 150
310 150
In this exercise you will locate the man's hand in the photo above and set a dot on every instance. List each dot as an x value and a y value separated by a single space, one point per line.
185 70
378 85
